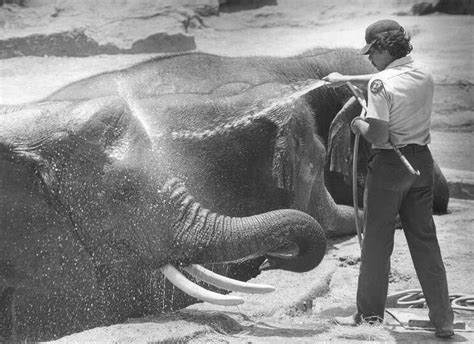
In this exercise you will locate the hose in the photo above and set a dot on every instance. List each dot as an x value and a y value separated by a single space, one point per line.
355 155
411 298
355 194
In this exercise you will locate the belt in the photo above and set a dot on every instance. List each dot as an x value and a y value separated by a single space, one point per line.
411 148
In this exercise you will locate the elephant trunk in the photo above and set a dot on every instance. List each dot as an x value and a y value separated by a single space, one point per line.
206 237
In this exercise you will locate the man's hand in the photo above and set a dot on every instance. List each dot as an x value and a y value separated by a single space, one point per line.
373 130
359 125
335 79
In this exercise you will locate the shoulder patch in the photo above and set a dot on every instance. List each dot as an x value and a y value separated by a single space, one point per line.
376 86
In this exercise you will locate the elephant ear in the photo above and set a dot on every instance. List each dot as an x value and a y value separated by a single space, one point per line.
339 150
44 138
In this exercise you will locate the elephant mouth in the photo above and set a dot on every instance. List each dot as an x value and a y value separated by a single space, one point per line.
207 276
275 258
179 280
286 250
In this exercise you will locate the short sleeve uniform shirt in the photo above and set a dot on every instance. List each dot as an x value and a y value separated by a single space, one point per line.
402 95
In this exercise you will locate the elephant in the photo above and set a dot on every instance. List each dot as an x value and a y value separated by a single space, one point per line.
116 180
242 81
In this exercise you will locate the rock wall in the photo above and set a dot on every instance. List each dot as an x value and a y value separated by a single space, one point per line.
455 6
444 6
89 27
83 28
76 43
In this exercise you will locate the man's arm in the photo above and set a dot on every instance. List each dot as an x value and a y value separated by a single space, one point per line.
373 130
337 79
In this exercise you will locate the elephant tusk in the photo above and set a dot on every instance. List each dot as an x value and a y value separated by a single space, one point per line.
194 290
226 283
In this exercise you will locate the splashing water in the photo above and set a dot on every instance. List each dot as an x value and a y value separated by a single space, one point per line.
304 87
297 90
126 94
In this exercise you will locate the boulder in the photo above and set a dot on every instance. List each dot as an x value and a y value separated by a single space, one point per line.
422 8
455 6
238 5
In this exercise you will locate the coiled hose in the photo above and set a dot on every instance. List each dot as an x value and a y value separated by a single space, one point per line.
414 298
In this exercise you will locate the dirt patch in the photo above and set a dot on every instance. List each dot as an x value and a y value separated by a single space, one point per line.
453 149
453 107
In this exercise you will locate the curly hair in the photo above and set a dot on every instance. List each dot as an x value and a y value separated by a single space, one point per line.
397 44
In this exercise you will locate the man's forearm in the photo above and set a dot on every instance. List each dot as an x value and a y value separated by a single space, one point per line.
337 79
374 131
360 81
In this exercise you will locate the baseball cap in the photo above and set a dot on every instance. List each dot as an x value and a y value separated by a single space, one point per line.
379 29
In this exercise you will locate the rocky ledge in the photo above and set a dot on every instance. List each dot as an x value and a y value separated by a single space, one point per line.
70 28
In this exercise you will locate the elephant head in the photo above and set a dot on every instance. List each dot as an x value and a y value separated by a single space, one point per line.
89 208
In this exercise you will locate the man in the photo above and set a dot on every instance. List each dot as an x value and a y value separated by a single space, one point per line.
399 112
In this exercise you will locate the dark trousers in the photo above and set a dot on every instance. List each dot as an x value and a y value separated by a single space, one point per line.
390 190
